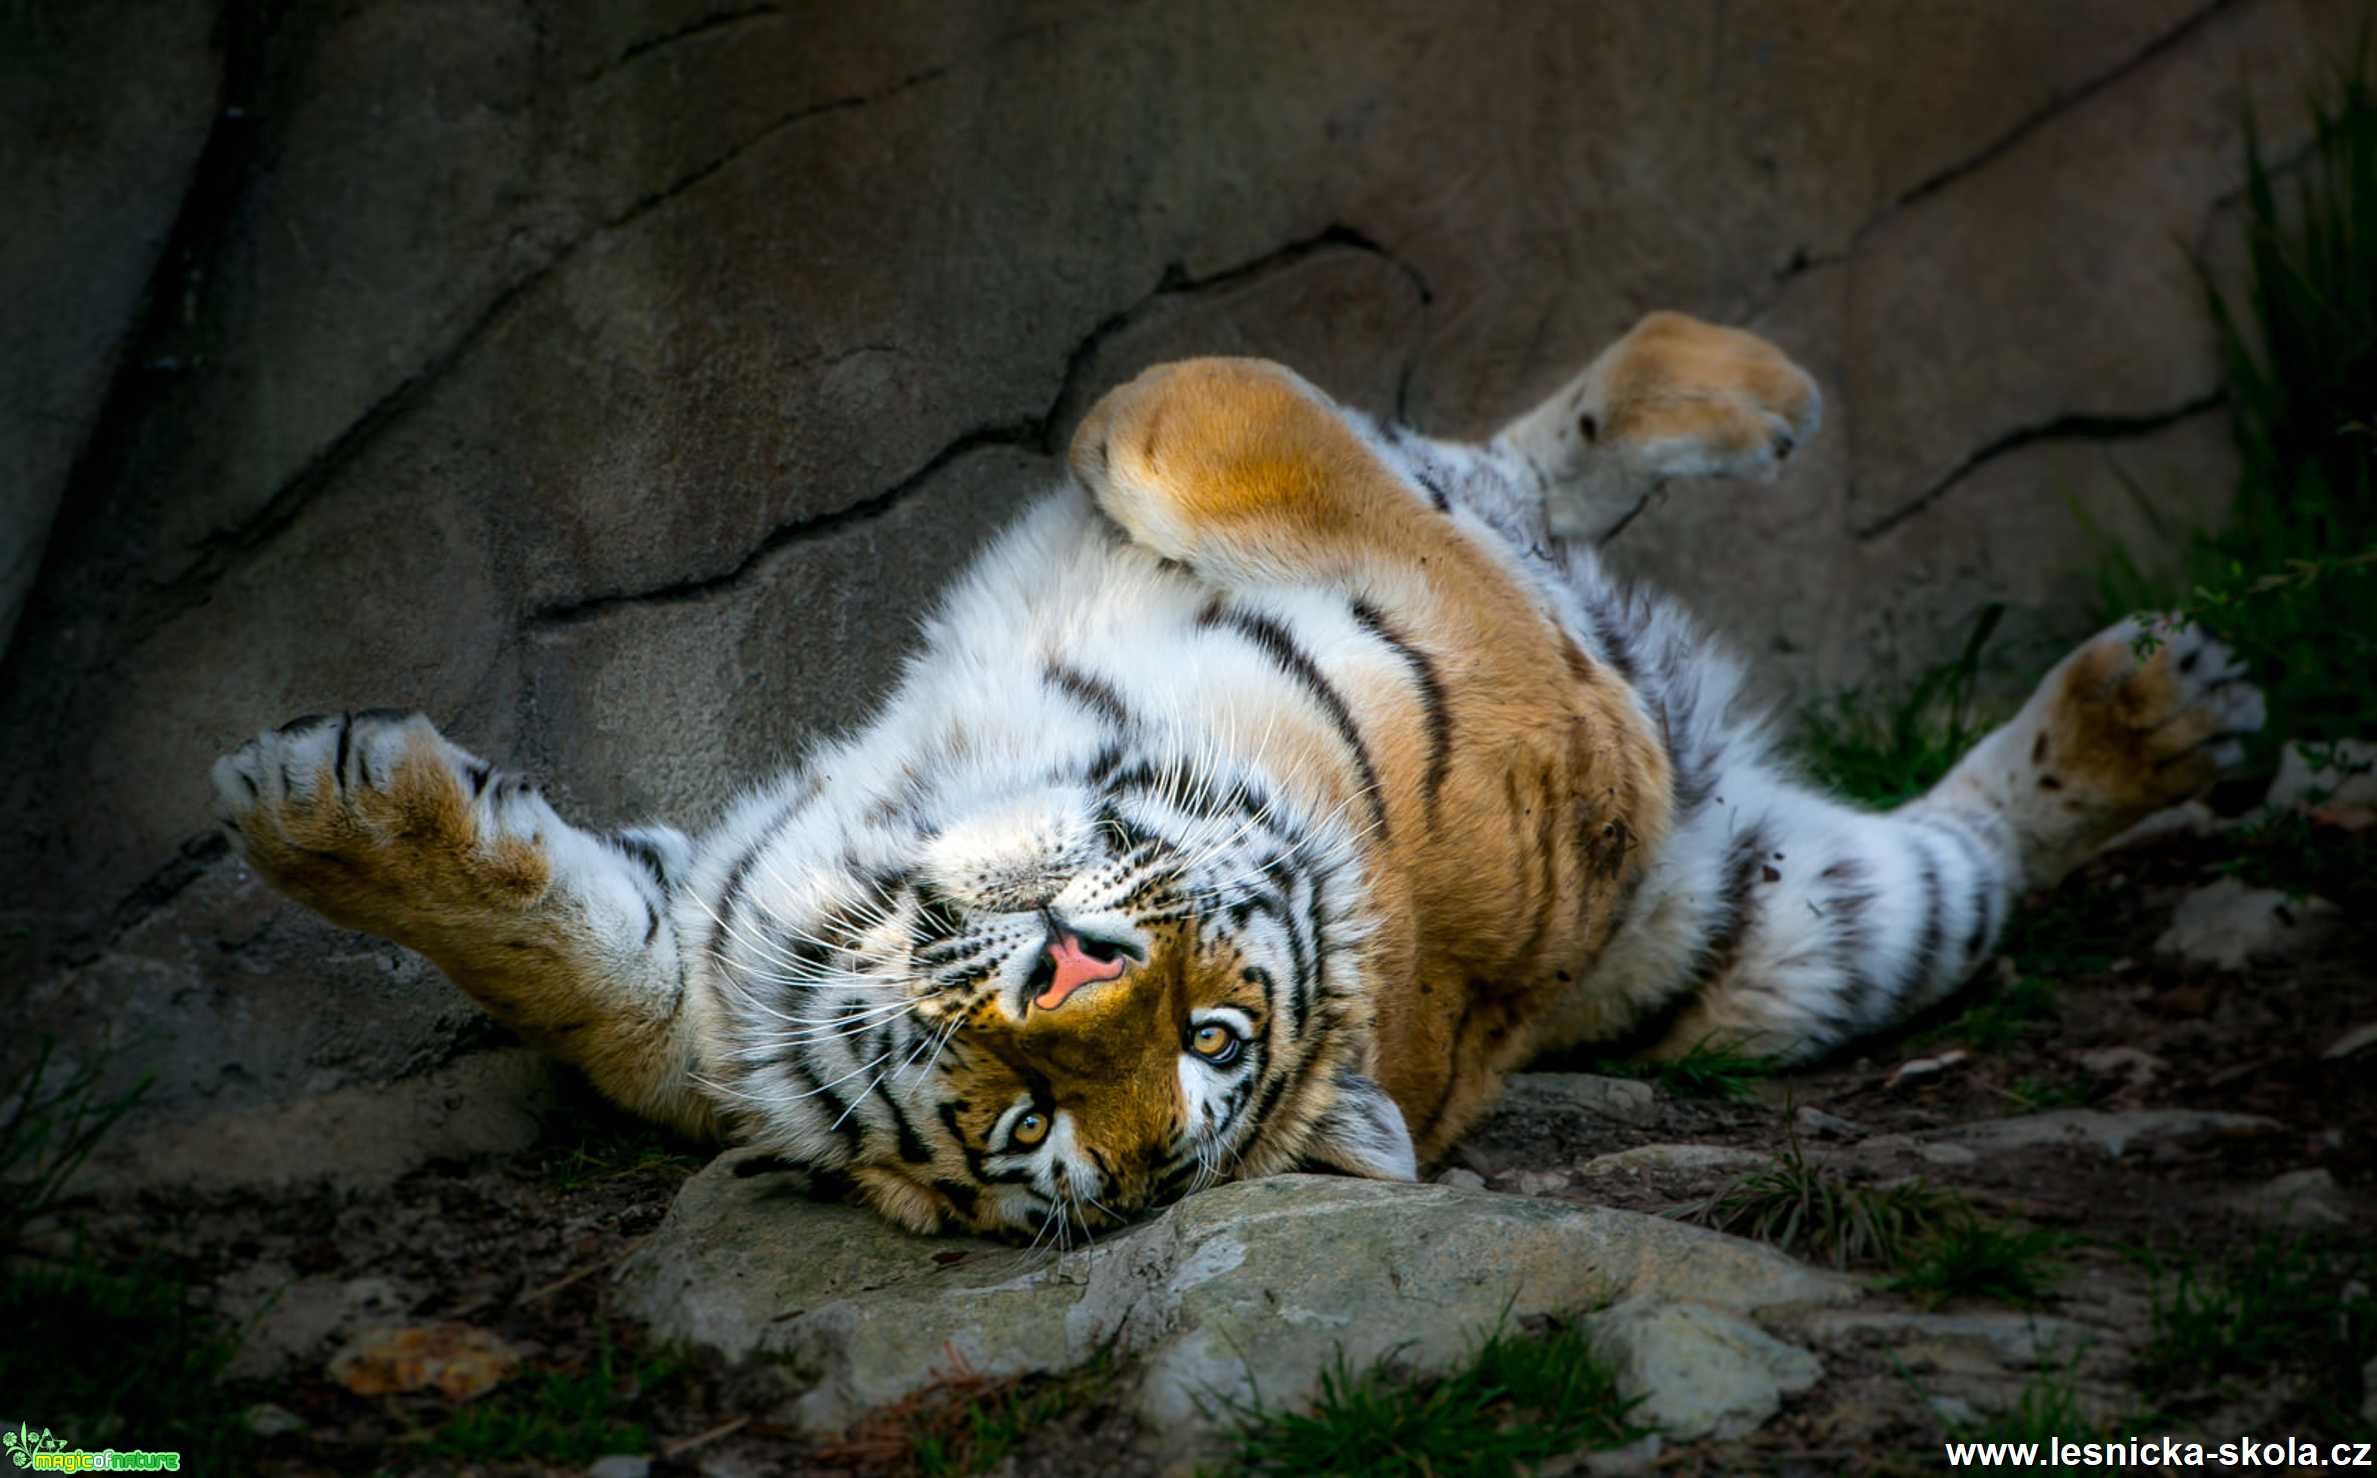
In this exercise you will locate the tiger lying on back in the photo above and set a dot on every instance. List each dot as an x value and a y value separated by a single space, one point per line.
1258 801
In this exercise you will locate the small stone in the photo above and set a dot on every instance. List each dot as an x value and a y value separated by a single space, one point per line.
1695 1371
2299 1198
2225 924
2345 774
2188 819
1622 1462
2124 1062
620 1465
1946 1154
2110 1133
2015 1340
1915 1070
1815 1121
1626 1100
1953 1411
1461 1179
264 1419
1539 1182
2352 1041
1681 1159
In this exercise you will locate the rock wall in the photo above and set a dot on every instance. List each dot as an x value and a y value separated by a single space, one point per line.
617 381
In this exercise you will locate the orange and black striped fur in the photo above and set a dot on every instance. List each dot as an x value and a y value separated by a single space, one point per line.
1263 797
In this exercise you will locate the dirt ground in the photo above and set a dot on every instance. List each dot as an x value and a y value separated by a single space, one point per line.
521 1245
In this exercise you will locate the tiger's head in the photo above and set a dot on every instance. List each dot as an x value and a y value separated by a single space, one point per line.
1037 1005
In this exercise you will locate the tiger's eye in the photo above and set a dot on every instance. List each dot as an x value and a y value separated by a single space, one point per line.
1030 1129
1214 1042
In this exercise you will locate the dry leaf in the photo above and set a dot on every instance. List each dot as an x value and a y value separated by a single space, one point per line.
459 1361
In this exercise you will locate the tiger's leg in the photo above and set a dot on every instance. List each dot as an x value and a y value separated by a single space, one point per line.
1246 473
1821 922
378 823
1674 397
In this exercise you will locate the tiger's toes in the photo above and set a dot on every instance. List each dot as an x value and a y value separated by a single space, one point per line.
2144 715
377 822
1680 398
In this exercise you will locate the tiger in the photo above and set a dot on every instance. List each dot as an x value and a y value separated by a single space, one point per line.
1279 782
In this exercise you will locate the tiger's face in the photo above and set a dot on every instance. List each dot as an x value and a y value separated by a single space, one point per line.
1076 1001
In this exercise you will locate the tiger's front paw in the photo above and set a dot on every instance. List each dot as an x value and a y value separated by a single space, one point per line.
1673 398
377 822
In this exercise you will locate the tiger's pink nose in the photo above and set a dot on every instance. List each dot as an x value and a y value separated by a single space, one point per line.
1072 965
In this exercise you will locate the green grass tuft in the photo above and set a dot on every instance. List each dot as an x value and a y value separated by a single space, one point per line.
1817 1212
2001 1018
2288 851
2290 579
557 1416
1970 1257
53 1123
2047 1409
613 1151
1706 1071
1520 1401
2037 1095
1880 754
117 1359
2276 1301
101 1357
977 1434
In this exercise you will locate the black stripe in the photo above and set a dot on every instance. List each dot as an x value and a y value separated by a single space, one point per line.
1431 476
912 1146
644 852
732 892
1728 933
346 737
1546 857
843 1122
1845 914
1984 879
480 773
1452 1070
1438 716
1091 692
1927 942
1617 621
1281 648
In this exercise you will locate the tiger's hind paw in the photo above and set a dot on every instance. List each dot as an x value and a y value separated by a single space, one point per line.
377 822
2143 715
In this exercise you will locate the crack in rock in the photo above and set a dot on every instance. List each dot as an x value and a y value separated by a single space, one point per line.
1023 434
1803 261
1033 433
2076 427
2056 106
723 20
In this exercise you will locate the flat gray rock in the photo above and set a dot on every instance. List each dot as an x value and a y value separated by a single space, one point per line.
2010 1338
2226 925
1253 1287
1698 1372
487 1103
2299 1198
2112 1134
1620 1100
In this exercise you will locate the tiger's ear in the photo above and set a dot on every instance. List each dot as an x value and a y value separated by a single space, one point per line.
1362 1133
